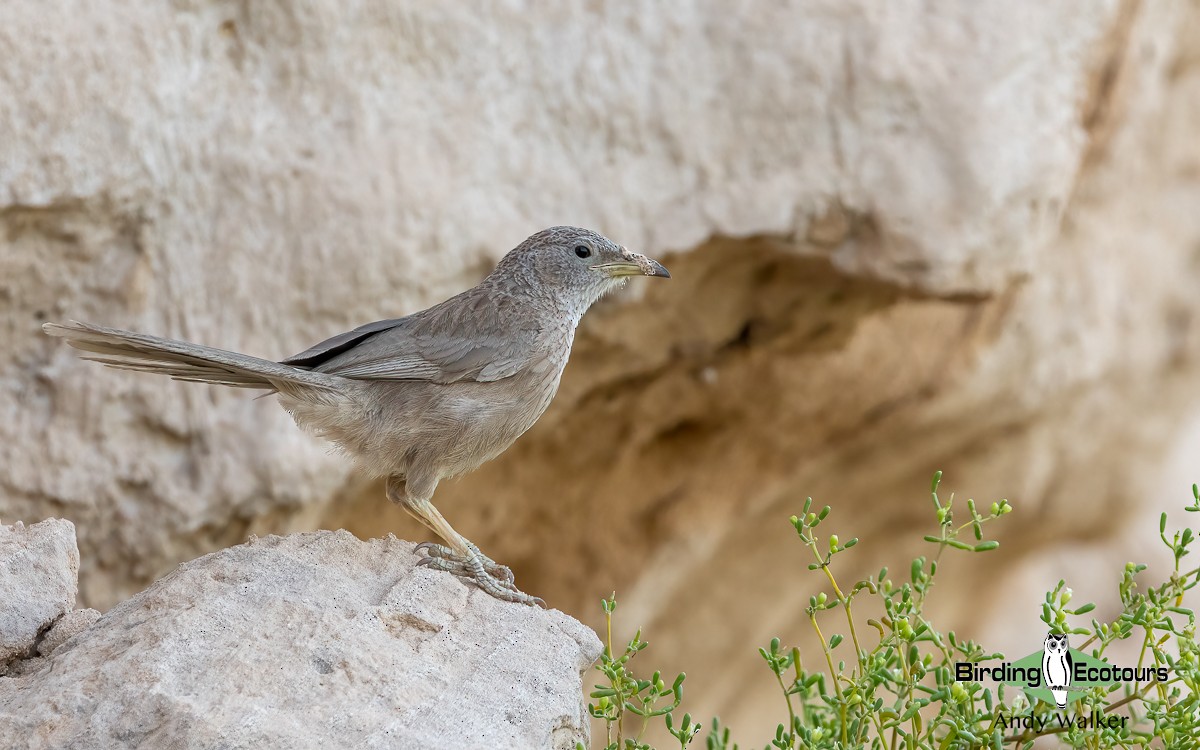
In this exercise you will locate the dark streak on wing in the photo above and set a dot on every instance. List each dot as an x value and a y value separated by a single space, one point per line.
332 347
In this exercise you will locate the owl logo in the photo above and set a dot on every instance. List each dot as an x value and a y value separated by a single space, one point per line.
1057 667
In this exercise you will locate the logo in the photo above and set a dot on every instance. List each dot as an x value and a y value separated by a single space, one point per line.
1056 667
1052 675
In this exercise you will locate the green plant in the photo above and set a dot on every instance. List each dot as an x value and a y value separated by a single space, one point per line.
626 695
899 688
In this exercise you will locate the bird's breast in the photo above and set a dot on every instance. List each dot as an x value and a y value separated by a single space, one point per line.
534 388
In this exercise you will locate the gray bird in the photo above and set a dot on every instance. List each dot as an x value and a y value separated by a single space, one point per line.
427 396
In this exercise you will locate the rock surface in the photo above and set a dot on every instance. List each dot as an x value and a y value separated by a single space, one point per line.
904 237
39 567
307 641
65 628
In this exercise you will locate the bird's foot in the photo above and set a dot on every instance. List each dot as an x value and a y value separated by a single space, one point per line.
438 552
486 573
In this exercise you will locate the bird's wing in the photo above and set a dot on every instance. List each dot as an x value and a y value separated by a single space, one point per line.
397 354
332 347
464 338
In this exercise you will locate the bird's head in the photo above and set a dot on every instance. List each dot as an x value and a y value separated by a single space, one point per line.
576 265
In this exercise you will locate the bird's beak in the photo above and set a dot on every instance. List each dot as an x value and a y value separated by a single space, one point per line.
634 264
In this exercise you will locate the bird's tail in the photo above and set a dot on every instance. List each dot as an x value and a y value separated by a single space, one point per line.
184 361
1060 698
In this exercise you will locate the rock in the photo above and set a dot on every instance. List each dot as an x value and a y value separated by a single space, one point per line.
306 641
39 566
66 627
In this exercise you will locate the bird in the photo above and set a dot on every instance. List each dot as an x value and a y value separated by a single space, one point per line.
427 396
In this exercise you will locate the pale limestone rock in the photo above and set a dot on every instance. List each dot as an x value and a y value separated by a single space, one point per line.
308 641
66 627
39 567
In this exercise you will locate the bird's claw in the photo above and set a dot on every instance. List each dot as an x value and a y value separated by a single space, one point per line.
434 551
487 574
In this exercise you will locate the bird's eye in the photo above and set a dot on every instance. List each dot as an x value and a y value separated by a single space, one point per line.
583 251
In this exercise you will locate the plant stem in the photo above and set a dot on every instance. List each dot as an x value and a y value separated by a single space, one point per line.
791 712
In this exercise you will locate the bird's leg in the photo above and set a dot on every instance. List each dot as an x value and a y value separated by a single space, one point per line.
439 556
460 557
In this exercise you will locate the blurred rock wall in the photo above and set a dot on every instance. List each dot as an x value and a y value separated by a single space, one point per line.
903 237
